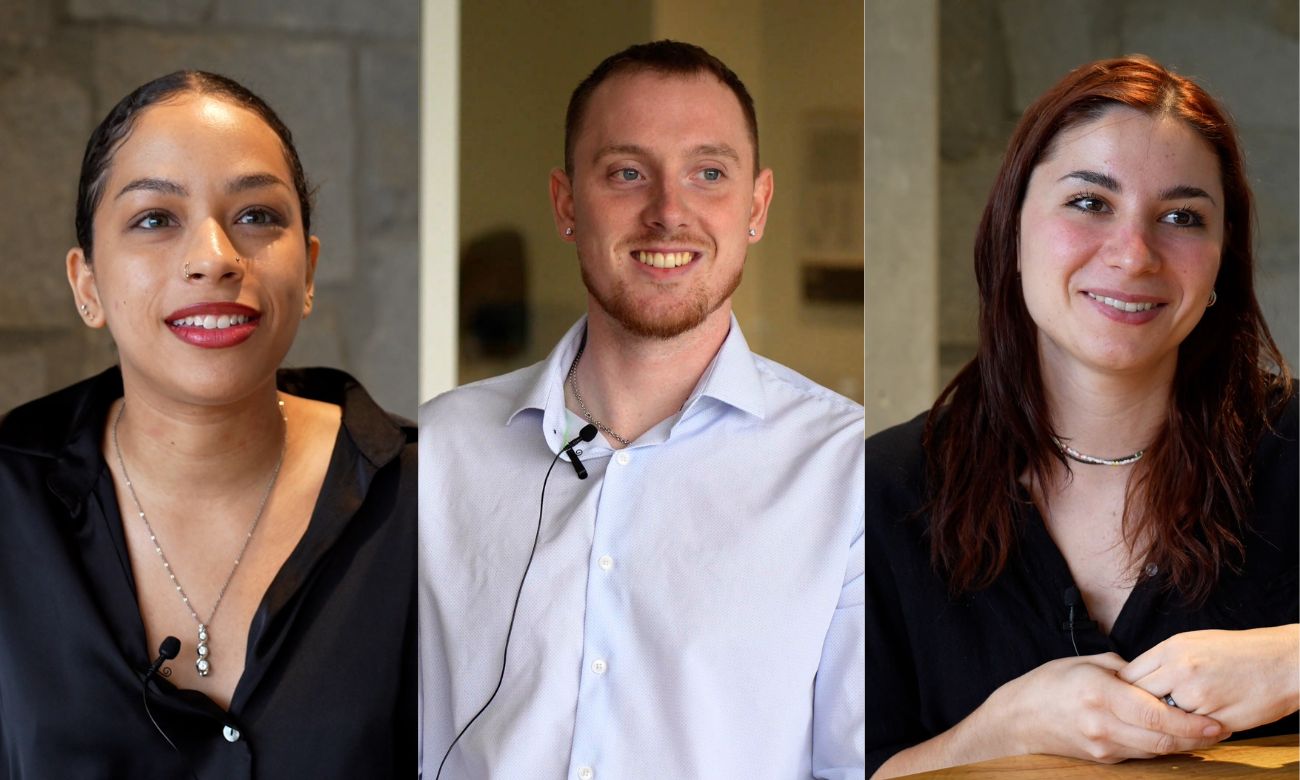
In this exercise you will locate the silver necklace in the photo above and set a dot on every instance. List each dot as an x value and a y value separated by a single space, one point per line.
203 663
573 383
1093 460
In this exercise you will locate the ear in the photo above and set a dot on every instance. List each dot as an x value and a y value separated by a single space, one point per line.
313 254
562 203
81 278
762 198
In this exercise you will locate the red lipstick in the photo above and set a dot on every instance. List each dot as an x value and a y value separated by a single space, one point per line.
213 325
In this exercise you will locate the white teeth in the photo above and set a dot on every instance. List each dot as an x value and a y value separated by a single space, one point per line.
665 259
1127 306
211 321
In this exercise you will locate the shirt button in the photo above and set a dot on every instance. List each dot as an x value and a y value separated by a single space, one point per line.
599 666
230 733
586 773
605 562
623 458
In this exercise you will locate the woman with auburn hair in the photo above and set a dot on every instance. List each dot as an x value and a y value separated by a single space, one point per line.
207 564
1088 546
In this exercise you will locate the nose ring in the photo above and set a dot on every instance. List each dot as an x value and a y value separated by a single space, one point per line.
186 271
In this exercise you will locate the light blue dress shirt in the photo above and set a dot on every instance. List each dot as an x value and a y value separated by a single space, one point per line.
695 607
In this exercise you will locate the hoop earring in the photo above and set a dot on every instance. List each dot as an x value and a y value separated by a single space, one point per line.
1214 297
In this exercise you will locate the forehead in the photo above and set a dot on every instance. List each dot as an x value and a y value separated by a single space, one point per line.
1127 143
198 135
662 112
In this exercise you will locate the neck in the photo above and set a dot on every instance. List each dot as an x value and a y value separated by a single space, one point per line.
203 452
631 383
1107 415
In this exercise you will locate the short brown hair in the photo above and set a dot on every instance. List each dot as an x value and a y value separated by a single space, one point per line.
668 58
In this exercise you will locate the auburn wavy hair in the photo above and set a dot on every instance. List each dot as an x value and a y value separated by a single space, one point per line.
1188 500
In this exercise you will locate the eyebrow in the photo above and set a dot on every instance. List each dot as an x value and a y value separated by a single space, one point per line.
703 150
254 181
152 185
1176 192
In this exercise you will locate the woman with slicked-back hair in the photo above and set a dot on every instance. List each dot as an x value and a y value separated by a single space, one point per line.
207 562
1088 545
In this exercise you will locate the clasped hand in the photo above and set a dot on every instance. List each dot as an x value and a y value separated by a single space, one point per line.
1080 707
1241 679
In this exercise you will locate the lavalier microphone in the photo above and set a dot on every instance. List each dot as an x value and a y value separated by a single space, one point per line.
587 433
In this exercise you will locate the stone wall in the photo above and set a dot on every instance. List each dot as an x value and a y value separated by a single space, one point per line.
996 56
344 77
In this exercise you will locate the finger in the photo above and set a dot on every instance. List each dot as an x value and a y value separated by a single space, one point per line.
1143 665
1109 661
1137 708
1135 742
1159 683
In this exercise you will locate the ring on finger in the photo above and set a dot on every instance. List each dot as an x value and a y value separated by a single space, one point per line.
1169 699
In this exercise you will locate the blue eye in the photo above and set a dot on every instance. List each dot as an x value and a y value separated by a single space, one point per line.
627 174
155 220
711 174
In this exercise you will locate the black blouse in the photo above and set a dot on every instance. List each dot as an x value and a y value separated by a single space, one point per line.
329 683
931 659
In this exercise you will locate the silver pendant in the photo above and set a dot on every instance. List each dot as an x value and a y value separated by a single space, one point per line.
203 664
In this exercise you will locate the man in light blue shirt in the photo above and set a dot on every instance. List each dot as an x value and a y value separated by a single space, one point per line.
693 607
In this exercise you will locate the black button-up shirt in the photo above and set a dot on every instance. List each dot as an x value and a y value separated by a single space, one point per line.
329 682
932 659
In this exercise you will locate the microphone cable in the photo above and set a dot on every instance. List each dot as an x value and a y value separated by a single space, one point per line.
587 433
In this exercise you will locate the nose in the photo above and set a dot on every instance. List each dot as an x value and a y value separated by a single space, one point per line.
1134 250
212 255
667 210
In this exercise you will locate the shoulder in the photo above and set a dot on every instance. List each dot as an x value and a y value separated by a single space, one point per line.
896 480
495 399
43 426
784 388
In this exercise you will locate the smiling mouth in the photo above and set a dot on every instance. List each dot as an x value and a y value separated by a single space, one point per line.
210 321
1128 306
664 259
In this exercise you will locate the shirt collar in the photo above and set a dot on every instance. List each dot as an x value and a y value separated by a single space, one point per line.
731 378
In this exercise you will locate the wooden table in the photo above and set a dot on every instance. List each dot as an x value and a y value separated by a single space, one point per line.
1268 757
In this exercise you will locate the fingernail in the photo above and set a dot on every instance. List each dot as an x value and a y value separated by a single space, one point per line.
1210 731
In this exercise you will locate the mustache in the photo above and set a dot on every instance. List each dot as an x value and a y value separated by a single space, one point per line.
652 237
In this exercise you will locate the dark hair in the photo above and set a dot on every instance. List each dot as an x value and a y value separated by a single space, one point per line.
668 58
109 135
1188 500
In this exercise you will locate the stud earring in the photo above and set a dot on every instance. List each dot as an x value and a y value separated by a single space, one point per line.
568 231
752 232
1214 297
84 309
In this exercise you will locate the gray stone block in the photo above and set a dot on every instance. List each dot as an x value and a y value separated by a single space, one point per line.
1272 158
149 12
43 121
1277 280
389 89
23 20
1047 40
386 348
963 190
1235 50
388 18
973 77
320 340
308 83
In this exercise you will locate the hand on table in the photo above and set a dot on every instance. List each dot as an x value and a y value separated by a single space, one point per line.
1242 679
1079 707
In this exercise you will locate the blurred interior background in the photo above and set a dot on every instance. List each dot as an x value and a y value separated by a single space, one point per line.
518 287
948 79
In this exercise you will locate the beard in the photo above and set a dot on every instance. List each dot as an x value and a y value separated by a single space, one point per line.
693 306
